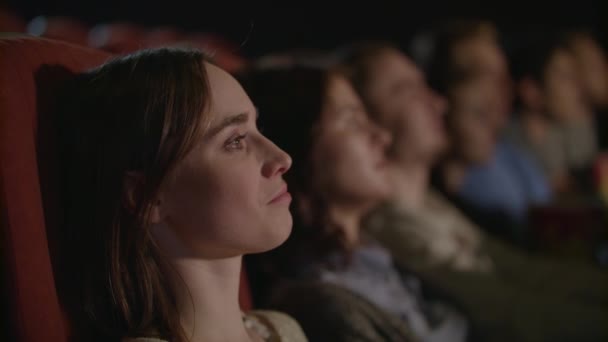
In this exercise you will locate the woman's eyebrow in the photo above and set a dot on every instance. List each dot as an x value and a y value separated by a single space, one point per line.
233 120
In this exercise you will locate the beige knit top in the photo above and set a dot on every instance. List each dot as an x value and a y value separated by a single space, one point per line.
271 326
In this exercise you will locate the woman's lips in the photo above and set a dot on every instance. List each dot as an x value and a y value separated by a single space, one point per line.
282 196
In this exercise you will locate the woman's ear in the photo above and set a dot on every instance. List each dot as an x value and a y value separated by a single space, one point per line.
133 184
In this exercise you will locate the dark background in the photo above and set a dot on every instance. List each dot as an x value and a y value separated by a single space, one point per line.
316 24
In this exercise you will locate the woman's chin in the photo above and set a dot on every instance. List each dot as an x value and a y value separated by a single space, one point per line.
276 235
283 231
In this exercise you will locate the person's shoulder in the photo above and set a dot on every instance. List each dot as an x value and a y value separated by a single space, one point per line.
329 312
275 326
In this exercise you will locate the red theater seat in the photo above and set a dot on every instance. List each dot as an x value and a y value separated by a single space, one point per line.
117 37
60 28
10 22
29 76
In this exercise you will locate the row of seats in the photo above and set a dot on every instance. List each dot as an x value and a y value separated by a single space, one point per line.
37 56
123 37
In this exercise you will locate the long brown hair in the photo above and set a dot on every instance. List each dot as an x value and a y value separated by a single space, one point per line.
139 113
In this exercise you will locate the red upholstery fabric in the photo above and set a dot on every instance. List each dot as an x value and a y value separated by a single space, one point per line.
31 71
10 22
27 82
61 28
117 37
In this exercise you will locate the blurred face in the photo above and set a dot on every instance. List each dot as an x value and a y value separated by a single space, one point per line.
349 152
227 197
471 121
485 58
562 89
593 70
403 103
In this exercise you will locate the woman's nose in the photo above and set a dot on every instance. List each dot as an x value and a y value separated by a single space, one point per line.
277 162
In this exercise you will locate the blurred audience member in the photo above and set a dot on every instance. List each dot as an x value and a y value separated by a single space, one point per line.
470 49
592 67
400 100
338 175
492 180
554 120
509 295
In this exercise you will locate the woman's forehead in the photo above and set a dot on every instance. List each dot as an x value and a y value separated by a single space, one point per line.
227 96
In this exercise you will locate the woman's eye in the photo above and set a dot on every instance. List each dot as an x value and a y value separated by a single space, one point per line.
237 143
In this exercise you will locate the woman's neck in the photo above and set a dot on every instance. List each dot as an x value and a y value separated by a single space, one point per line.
207 291
409 183
208 299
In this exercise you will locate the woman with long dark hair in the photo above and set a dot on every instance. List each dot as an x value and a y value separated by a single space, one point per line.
168 183
338 175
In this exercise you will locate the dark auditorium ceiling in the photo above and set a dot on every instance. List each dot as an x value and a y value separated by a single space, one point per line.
316 24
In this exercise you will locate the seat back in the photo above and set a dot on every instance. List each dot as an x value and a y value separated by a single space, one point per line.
31 72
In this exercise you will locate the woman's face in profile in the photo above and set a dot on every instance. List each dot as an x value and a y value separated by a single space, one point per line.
349 150
227 197
404 104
